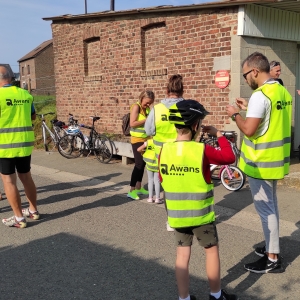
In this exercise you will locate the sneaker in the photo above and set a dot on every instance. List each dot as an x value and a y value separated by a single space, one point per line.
224 296
28 214
150 200
142 191
192 297
133 195
168 227
264 265
260 251
158 201
12 222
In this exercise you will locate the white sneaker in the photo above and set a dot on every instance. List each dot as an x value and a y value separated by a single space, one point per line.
150 200
168 227
158 201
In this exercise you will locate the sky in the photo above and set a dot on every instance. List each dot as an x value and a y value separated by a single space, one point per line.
23 28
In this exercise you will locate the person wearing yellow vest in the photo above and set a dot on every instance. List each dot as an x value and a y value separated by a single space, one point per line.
148 152
16 145
265 152
157 124
184 167
138 114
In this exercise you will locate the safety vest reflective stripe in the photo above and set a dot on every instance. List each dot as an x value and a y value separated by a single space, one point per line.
149 161
16 129
16 145
273 164
268 145
157 143
132 129
189 196
190 213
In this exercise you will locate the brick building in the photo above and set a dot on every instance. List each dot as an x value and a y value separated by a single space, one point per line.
37 70
104 60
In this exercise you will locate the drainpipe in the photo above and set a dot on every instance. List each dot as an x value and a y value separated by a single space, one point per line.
112 5
85 6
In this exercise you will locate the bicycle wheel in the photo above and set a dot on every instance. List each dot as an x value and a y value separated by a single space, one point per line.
71 146
102 147
234 181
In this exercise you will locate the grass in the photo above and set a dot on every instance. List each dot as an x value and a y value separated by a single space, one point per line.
42 105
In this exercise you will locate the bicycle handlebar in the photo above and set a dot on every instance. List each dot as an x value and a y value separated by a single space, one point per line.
49 113
85 126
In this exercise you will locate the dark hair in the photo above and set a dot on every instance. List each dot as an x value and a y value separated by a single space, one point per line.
148 94
259 61
175 85
274 63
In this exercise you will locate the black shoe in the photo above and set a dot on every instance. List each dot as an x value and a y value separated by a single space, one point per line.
193 297
264 265
260 251
224 296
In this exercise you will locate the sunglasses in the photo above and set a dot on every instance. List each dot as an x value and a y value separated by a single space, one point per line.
245 74
275 64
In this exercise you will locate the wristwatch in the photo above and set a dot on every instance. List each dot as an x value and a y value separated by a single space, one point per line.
234 116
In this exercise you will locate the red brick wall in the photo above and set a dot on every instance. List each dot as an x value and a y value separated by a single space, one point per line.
134 53
44 71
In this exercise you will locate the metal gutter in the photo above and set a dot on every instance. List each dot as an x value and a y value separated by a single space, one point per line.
156 9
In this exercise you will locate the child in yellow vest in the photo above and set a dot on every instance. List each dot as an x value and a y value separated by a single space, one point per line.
152 170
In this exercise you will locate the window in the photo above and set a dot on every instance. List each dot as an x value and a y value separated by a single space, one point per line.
28 69
22 70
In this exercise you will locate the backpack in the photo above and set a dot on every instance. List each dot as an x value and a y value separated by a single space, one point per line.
126 124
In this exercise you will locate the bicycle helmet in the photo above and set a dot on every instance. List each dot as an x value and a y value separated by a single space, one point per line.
73 130
186 112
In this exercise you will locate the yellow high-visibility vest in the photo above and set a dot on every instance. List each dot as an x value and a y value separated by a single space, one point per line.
189 199
16 132
139 131
268 156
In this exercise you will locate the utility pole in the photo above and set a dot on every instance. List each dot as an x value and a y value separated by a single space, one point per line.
85 6
112 5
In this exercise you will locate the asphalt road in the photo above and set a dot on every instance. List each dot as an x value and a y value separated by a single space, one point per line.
92 242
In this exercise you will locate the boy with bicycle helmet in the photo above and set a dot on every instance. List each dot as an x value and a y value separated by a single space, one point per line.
185 177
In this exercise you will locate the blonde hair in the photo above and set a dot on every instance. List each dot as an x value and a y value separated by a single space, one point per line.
146 94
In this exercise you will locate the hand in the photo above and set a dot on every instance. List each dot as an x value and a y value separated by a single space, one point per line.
298 92
230 109
210 130
141 149
241 103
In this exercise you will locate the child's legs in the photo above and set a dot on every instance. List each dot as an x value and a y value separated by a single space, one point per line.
207 237
182 270
150 175
156 185
213 268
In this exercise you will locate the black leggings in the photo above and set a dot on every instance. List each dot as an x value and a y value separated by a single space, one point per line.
138 170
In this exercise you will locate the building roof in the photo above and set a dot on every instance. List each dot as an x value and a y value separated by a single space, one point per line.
289 5
36 51
7 66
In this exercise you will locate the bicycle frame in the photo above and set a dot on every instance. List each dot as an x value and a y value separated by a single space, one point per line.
213 167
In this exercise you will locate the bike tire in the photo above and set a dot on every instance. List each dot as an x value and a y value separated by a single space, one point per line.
103 149
71 146
238 180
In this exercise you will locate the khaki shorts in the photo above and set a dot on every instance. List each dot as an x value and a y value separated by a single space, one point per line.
206 235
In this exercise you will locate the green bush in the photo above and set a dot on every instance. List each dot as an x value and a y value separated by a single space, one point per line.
42 105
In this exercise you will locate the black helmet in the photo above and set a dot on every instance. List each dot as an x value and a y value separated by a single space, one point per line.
186 112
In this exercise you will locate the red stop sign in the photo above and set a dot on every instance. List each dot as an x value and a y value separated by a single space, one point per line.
222 79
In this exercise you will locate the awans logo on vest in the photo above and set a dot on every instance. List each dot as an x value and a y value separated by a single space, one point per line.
177 170
283 104
10 102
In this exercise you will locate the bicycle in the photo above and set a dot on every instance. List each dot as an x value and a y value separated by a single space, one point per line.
232 178
53 136
75 143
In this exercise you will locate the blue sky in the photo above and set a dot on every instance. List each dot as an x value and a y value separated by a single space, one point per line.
22 27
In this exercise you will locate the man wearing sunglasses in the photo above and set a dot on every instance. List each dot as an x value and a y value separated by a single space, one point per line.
275 71
265 152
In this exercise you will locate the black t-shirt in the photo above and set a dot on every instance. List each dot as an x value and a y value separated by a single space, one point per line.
279 80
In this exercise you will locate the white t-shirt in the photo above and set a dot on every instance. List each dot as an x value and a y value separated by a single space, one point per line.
260 106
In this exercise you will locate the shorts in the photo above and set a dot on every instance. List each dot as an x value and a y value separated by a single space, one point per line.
9 166
206 235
